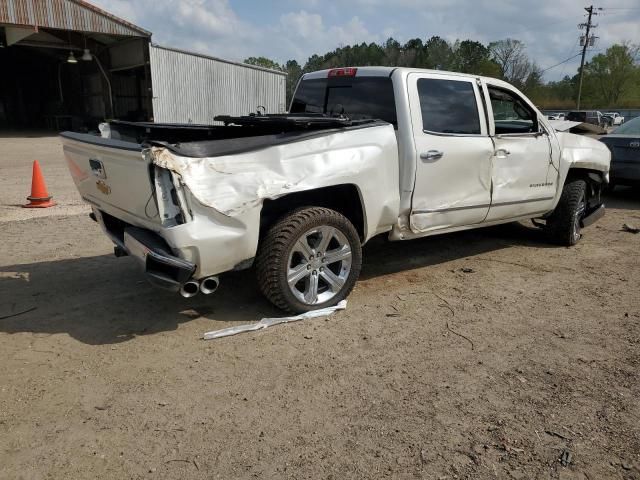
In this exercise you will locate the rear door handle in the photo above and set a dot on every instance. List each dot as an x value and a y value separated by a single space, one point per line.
432 155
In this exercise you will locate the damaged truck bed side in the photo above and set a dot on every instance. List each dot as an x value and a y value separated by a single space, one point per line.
363 151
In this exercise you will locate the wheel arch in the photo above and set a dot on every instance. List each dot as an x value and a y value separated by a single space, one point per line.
595 179
588 174
345 199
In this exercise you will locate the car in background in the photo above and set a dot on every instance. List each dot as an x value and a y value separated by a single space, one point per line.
624 143
555 116
593 117
615 118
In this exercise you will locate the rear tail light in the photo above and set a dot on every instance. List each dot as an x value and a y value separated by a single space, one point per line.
343 72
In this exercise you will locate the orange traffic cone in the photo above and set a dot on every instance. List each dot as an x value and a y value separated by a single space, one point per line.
39 197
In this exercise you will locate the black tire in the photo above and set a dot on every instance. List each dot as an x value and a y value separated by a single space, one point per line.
564 222
277 248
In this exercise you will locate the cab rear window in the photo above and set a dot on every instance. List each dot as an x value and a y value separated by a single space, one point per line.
355 97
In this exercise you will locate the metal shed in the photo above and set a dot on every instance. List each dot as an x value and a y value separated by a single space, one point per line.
76 15
193 88
68 65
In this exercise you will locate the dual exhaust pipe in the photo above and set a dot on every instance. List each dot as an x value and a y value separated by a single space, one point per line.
206 286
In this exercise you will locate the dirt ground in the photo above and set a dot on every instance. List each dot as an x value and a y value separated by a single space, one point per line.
524 365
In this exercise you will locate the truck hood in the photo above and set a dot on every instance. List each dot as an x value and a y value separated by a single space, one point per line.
584 152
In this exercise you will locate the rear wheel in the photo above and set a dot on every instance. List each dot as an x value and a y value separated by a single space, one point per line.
310 259
564 222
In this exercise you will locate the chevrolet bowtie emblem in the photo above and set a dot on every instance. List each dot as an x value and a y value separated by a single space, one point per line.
103 187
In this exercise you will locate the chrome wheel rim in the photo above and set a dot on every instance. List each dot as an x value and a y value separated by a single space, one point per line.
319 265
576 221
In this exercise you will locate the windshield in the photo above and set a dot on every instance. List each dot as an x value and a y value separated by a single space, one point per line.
355 97
632 127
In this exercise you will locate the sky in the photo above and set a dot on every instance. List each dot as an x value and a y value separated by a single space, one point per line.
296 29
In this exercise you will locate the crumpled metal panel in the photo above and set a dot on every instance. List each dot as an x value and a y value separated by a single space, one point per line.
194 88
74 15
236 184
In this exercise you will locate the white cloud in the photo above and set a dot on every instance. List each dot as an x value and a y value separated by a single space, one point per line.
304 34
299 28
302 24
120 8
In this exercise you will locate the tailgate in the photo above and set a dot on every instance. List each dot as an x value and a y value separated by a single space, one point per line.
112 175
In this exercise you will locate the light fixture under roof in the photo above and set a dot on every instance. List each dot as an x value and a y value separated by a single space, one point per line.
72 58
86 56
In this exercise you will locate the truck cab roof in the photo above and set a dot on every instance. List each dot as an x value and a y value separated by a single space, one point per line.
366 92
380 71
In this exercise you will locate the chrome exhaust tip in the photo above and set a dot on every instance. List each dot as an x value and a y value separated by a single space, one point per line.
189 289
209 285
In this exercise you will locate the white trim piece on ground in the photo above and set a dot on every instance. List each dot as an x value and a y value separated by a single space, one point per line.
268 322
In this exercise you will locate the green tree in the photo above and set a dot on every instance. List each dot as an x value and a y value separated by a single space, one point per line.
611 76
611 79
473 57
294 72
514 63
392 52
263 62
413 53
438 54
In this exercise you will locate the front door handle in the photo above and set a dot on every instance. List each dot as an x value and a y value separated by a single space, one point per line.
432 155
502 153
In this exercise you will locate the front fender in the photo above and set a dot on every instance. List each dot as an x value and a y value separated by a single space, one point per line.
579 152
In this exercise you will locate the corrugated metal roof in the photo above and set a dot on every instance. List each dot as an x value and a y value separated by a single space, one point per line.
193 88
77 15
217 59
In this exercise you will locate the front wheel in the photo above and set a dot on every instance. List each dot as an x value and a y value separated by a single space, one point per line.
564 222
310 259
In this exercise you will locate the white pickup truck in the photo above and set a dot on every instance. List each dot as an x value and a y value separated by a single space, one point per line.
615 119
364 151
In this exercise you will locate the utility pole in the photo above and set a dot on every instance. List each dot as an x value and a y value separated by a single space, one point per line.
587 39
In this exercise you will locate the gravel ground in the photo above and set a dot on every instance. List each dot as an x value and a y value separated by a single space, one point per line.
484 354
18 154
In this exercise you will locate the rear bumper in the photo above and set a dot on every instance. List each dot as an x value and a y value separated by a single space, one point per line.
162 268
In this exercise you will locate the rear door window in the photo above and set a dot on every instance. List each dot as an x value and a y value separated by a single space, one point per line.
448 107
355 97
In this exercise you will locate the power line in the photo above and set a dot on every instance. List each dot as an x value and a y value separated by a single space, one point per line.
568 53
537 28
564 61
